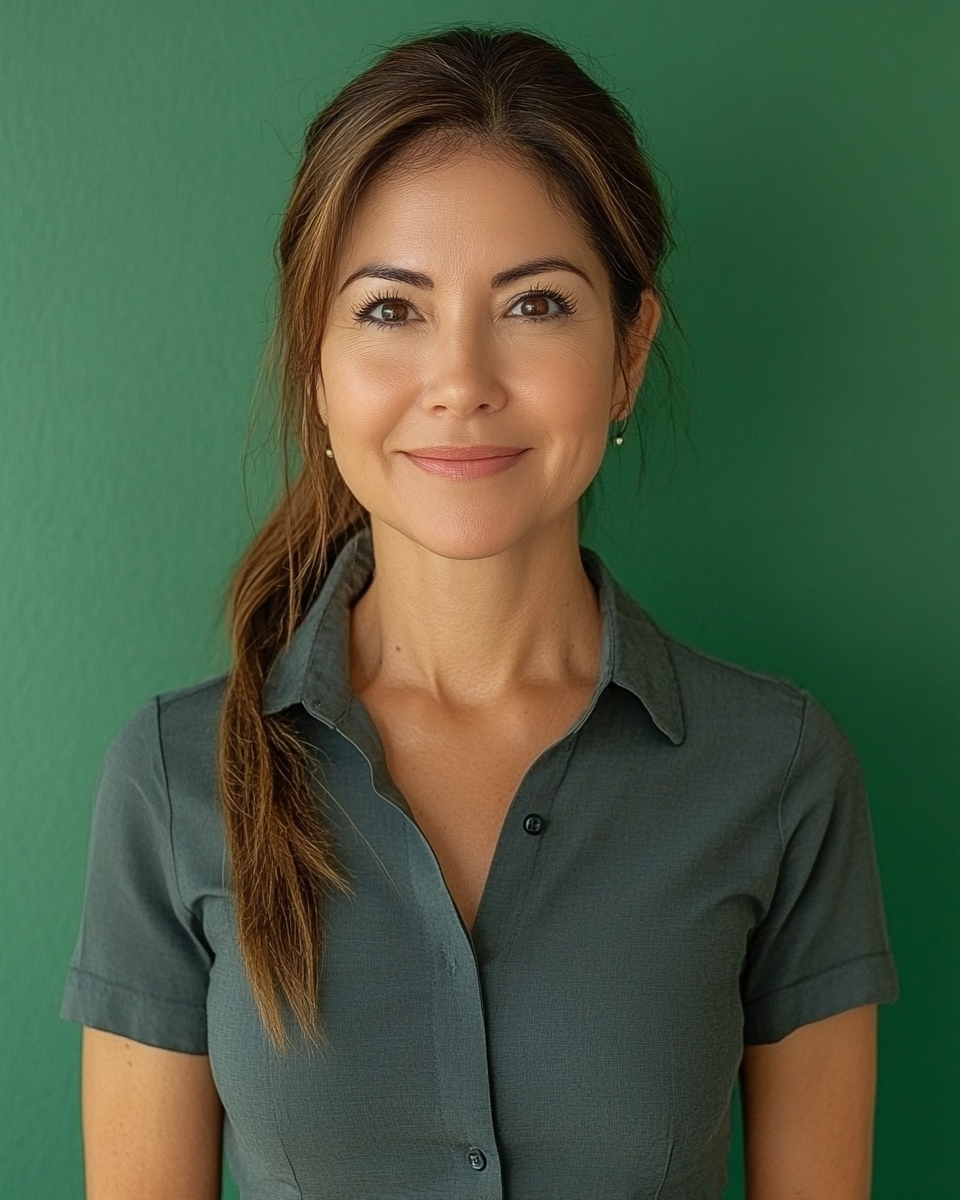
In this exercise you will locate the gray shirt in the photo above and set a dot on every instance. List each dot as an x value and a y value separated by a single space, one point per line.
688 869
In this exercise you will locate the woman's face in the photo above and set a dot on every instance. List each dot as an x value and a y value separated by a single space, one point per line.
471 317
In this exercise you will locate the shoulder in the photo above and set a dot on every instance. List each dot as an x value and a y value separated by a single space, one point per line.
704 677
189 717
187 728
167 718
158 793
768 715
167 748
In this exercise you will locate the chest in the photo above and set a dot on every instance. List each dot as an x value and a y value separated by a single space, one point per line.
460 768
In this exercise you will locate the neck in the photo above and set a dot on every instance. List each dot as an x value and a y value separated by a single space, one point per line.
469 630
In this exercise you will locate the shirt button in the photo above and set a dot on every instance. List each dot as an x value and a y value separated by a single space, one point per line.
476 1158
533 823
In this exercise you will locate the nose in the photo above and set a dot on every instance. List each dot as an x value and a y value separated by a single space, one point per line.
462 376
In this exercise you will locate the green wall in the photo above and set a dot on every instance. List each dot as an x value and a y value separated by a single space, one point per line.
808 526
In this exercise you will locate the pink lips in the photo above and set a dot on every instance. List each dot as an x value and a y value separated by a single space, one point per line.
464 462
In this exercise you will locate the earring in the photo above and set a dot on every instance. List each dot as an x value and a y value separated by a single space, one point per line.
328 452
618 438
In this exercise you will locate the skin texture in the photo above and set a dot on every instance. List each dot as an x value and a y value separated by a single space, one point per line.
477 644
808 1110
152 1122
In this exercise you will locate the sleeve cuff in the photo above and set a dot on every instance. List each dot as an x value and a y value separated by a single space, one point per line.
152 1020
871 979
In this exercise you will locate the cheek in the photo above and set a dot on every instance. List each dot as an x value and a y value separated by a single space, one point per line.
368 389
567 392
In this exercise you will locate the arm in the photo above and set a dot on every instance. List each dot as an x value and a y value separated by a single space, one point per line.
152 1122
808 1110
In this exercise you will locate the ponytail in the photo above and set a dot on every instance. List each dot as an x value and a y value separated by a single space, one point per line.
281 856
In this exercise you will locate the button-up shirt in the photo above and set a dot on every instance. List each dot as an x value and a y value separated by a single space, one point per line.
689 868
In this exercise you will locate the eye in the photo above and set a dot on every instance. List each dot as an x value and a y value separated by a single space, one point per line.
384 311
542 304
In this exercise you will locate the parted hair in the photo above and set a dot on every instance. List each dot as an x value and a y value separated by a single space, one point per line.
509 91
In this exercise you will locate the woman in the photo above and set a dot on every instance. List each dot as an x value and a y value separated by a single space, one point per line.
565 875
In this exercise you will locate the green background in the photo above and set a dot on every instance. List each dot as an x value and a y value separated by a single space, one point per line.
805 523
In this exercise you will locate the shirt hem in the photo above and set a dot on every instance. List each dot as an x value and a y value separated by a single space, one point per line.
870 979
113 1008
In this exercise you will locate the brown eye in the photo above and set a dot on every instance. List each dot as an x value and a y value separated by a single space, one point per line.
391 311
542 305
534 306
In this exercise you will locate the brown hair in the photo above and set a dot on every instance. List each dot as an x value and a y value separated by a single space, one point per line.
516 93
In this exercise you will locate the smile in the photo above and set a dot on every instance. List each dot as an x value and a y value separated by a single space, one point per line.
465 462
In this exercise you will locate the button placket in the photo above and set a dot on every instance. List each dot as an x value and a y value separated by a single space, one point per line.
461 1065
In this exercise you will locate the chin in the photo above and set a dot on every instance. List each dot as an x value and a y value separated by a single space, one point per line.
467 535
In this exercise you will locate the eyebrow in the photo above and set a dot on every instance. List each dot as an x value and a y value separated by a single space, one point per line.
418 280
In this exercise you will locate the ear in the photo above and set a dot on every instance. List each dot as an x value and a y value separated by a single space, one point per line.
320 396
636 353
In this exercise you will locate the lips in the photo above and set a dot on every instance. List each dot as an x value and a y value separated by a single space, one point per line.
465 452
465 462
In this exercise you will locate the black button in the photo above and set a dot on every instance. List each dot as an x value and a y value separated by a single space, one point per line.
476 1158
533 823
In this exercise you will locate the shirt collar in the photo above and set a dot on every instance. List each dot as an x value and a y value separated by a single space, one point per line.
314 668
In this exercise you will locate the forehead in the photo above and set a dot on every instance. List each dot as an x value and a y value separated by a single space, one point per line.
464 205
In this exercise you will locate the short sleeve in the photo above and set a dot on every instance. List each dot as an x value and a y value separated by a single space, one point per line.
140 966
822 946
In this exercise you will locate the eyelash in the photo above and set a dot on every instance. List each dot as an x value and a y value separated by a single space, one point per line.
362 314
